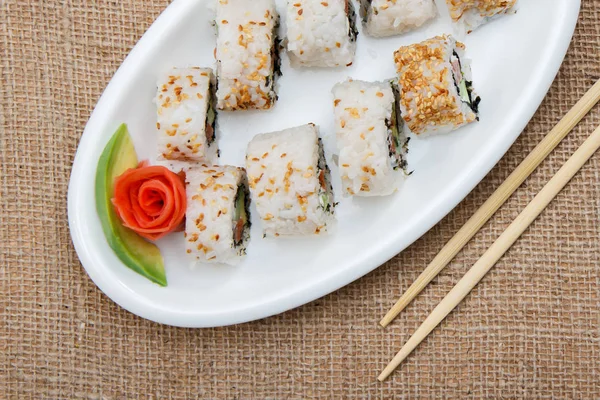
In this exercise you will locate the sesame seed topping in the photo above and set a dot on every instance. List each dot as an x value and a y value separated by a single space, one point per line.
427 98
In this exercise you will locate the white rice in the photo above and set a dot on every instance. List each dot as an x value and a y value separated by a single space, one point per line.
429 100
283 174
471 14
392 17
211 194
246 44
363 111
182 101
320 33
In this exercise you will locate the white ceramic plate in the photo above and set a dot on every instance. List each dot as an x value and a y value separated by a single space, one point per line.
514 61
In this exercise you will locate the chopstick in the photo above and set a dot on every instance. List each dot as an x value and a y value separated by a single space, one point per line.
500 246
499 197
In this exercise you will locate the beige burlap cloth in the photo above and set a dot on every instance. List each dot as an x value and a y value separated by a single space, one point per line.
531 329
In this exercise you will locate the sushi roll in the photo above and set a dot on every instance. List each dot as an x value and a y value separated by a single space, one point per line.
290 182
369 138
392 17
321 33
247 54
435 84
186 117
217 226
470 14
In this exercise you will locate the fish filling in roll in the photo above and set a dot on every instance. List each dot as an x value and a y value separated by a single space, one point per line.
241 220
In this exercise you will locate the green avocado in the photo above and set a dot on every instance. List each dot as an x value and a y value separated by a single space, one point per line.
138 254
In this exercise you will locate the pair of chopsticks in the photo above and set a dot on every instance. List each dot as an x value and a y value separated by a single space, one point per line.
509 236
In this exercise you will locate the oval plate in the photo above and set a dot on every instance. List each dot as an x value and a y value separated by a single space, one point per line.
514 60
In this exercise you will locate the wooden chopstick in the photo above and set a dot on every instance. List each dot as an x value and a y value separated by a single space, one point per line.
497 250
484 213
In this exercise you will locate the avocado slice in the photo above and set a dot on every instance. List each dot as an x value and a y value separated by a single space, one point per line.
135 252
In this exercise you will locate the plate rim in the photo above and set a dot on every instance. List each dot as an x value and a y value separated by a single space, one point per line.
128 300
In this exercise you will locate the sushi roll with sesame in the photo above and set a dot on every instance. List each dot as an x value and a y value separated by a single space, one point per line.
247 54
435 84
321 33
217 226
186 117
290 182
369 138
392 17
470 14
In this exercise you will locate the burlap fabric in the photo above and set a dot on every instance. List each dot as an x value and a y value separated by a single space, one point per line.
531 329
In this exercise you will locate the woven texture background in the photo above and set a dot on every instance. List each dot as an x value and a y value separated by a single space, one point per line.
531 329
